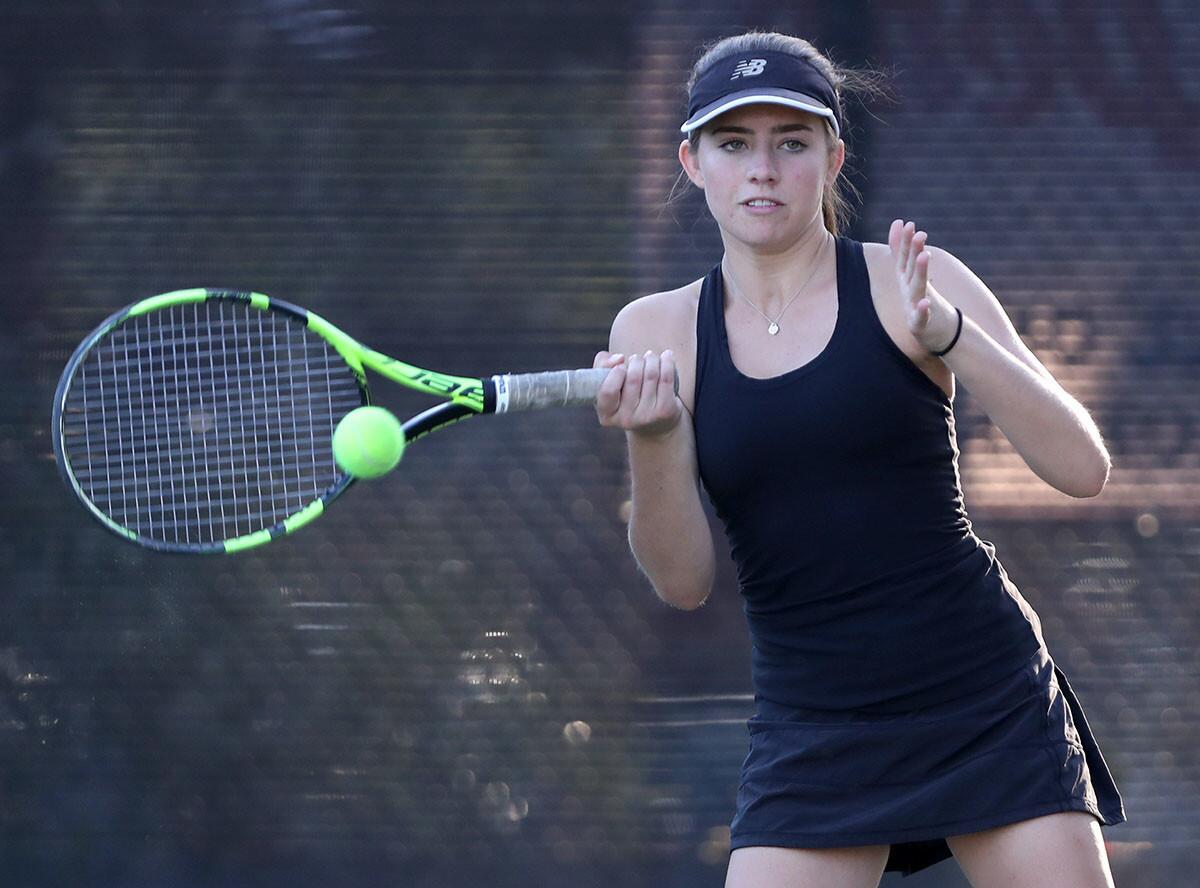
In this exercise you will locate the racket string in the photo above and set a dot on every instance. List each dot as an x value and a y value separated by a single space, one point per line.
212 377
201 424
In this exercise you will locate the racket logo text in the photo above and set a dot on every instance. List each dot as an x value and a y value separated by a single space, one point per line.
470 394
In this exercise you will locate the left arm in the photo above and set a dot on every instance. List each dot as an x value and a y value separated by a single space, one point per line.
1051 430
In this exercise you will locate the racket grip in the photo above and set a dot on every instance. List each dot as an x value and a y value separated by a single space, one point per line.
553 388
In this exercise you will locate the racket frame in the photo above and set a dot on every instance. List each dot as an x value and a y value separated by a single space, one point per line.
463 397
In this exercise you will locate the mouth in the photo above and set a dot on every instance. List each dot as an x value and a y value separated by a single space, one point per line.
761 202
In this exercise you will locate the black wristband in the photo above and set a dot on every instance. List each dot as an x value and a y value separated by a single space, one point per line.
957 333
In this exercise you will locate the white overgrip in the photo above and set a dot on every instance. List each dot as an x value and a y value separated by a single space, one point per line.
553 388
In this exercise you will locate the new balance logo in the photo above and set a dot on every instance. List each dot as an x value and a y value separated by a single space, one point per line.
749 68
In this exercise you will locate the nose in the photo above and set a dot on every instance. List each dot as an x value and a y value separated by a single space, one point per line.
762 166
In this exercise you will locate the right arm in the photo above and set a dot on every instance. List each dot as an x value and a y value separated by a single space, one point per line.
668 530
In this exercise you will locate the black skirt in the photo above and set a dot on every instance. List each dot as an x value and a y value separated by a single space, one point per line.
1018 749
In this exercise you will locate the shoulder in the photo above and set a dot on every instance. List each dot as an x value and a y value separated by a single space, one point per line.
962 287
948 274
880 255
889 307
658 321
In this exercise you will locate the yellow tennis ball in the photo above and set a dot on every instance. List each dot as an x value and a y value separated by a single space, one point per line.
368 442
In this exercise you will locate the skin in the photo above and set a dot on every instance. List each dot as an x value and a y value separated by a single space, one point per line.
782 154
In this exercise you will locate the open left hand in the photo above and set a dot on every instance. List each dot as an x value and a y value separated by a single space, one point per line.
931 319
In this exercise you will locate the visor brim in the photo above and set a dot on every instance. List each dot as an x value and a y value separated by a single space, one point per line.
767 96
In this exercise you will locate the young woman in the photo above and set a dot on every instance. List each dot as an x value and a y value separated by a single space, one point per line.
907 707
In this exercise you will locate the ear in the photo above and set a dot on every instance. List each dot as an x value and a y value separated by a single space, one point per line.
837 157
690 163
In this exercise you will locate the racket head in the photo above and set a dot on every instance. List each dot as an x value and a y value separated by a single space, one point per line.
202 420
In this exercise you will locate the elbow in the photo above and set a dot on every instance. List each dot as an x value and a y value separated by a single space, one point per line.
684 598
1092 483
681 575
1099 468
685 590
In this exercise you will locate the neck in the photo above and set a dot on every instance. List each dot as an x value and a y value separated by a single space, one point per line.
770 280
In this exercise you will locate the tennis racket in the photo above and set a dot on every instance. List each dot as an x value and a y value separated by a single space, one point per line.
202 420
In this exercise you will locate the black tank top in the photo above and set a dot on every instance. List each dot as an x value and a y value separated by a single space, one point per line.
865 586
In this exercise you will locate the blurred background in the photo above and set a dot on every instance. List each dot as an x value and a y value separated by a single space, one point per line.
458 676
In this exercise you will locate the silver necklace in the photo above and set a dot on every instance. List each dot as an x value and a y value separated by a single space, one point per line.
773 324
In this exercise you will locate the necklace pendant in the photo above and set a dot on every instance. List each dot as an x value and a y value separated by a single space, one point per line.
773 329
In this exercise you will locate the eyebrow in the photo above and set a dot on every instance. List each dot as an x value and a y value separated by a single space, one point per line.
782 128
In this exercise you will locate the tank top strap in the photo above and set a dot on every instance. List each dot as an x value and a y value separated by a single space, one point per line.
854 293
709 322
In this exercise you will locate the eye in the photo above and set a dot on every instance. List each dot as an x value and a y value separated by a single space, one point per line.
732 145
793 145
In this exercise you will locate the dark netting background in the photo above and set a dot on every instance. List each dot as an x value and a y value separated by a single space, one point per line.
458 676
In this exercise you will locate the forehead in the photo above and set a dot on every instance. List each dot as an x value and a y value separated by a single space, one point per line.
764 116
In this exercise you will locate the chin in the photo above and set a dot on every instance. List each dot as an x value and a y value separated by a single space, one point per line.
765 238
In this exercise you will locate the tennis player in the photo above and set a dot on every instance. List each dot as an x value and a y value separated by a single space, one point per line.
907 706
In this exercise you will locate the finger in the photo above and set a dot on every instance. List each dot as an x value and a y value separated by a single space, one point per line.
918 246
921 269
909 254
608 398
607 359
666 378
649 385
631 391
894 237
922 318
906 234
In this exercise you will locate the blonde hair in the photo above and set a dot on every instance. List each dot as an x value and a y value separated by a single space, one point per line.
836 204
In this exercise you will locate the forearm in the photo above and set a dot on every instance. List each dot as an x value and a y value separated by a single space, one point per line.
1051 430
668 530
